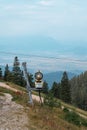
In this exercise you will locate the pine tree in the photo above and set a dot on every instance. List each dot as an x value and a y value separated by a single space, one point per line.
45 87
6 73
17 73
79 90
0 73
31 79
65 89
56 90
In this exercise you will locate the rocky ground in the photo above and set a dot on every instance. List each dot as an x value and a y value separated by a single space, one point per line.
12 115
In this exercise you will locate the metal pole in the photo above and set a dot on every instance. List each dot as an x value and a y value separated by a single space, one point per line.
28 84
40 96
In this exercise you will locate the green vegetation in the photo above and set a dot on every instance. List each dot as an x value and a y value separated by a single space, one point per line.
56 90
21 98
7 73
69 91
0 73
46 117
50 100
16 75
45 88
74 118
62 90
11 84
65 89
79 91
49 116
1 94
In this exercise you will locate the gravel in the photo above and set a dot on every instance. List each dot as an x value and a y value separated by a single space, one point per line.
12 115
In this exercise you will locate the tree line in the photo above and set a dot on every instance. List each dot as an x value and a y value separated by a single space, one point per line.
72 91
15 75
79 90
62 90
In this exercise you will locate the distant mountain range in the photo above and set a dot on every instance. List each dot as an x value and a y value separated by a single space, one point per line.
42 46
52 76
35 49
57 76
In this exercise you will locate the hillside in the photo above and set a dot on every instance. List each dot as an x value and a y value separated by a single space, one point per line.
21 116
79 90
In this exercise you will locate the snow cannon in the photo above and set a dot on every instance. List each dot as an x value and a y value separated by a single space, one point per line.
38 80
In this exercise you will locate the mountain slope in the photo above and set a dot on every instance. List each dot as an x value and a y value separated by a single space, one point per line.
38 117
56 76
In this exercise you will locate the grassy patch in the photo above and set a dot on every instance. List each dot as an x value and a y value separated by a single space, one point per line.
16 86
75 109
45 118
21 98
74 118
1 94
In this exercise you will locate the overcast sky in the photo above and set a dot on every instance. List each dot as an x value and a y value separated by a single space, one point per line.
63 21
60 19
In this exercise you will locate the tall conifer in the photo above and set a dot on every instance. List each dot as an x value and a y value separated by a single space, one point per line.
17 73
0 73
65 89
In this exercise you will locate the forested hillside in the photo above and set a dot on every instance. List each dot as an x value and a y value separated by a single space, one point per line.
72 91
56 76
63 96
79 90
76 89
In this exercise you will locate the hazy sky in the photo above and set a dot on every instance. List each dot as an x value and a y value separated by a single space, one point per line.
59 21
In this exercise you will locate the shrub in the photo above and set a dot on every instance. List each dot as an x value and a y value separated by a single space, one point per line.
50 100
74 118
65 109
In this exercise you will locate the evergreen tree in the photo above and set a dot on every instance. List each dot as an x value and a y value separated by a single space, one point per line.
65 89
6 73
56 90
17 73
31 79
0 73
79 90
45 87
50 100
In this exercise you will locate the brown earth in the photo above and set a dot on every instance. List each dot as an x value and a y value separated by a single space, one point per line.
12 115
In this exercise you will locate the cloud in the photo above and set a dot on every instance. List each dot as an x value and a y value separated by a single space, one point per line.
53 64
17 7
46 2
64 20
47 64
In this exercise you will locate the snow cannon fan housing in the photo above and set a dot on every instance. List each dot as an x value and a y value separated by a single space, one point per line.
38 80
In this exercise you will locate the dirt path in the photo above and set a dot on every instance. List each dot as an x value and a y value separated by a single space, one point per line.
35 97
12 115
7 86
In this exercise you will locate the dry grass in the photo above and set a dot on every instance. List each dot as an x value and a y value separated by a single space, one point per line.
16 86
75 109
1 94
43 117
